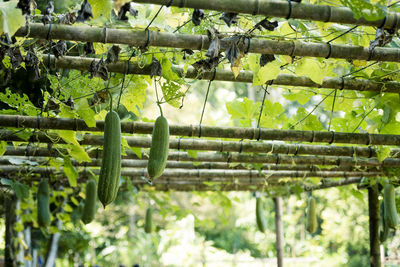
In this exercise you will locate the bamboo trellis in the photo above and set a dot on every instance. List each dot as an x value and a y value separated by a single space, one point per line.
13 121
349 83
202 175
222 157
202 42
284 9
213 145
129 163
162 186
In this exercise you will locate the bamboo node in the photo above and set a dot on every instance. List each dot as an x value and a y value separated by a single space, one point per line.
329 50
17 121
329 14
104 35
256 8
48 32
290 9
383 22
342 83
333 137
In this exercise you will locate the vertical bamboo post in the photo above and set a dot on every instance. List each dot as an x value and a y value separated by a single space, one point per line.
10 250
279 230
373 206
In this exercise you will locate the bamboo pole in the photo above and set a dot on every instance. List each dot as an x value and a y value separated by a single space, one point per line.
350 83
131 163
283 9
279 230
373 205
240 187
202 42
13 121
184 186
211 145
198 175
10 250
222 157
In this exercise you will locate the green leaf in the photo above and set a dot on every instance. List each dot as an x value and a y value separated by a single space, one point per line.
137 151
85 112
357 194
273 114
21 190
364 8
311 68
192 153
245 110
68 136
2 147
70 172
383 152
135 94
11 17
5 181
309 122
266 73
79 153
101 8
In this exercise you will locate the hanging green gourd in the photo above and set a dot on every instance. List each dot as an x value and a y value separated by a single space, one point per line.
148 225
260 219
390 212
312 223
43 204
90 207
159 146
110 171
384 232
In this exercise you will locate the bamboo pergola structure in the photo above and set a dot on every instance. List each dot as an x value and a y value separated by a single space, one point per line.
349 83
254 159
202 42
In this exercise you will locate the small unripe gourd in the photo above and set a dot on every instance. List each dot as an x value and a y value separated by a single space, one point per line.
261 224
159 148
43 204
312 223
90 207
390 212
148 226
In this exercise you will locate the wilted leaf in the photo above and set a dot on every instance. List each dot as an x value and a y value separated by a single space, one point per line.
127 7
156 69
88 48
266 58
85 13
98 69
113 54
215 45
60 48
229 18
198 16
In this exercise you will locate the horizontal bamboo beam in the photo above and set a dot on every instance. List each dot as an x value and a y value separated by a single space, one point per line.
13 121
211 145
282 9
223 157
241 187
202 42
350 83
129 163
199 175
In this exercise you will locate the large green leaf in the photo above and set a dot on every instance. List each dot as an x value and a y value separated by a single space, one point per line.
70 172
11 18
101 8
